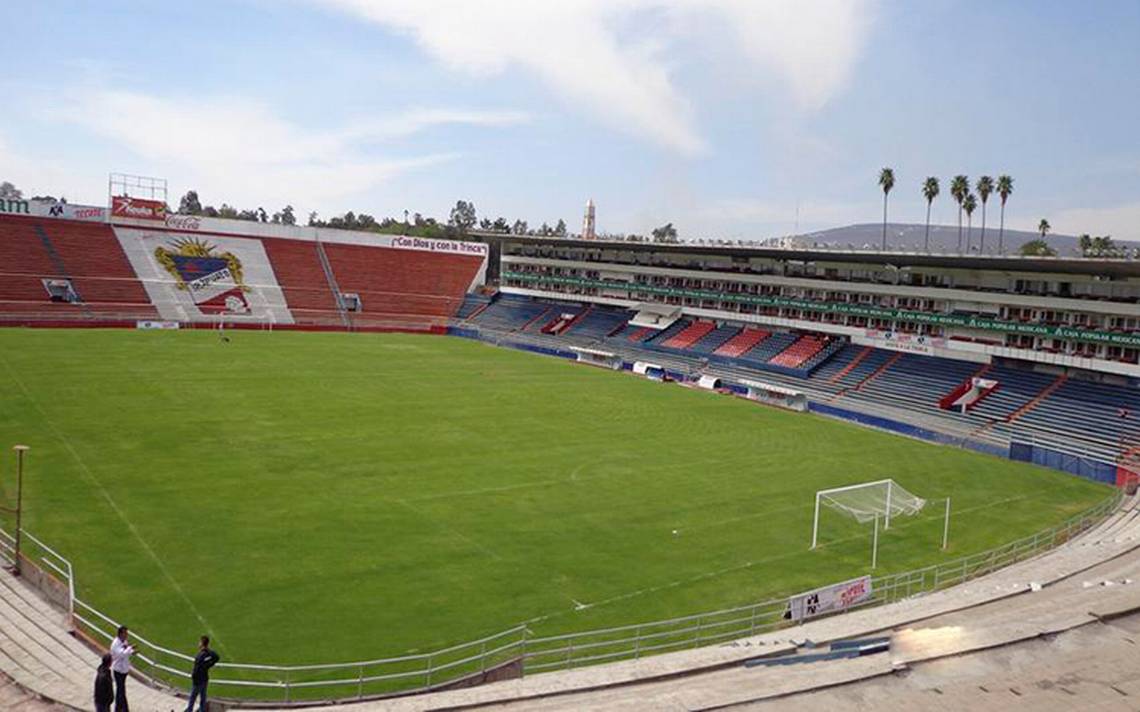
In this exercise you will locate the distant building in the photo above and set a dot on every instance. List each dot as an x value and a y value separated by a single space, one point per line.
588 227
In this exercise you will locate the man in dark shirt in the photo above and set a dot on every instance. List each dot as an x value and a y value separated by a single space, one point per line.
104 687
200 676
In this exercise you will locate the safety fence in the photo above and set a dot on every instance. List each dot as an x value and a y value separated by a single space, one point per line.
508 654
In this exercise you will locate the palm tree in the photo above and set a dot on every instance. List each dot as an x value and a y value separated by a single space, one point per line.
969 205
886 181
985 187
1004 188
1044 227
959 187
930 192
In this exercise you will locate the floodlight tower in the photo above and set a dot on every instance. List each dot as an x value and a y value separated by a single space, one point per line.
588 232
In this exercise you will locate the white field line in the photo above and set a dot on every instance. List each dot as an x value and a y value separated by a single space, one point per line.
94 482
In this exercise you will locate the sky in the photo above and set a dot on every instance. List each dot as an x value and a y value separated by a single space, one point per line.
729 118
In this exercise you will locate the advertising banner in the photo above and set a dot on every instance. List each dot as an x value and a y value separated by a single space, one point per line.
53 209
837 597
123 206
910 343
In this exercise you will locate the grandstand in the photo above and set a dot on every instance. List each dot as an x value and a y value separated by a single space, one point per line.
836 327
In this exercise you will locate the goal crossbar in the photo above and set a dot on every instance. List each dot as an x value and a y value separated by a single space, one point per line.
867 501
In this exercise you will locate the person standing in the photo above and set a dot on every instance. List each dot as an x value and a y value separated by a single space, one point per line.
104 688
200 675
121 652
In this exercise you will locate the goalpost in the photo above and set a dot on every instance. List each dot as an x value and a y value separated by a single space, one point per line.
870 501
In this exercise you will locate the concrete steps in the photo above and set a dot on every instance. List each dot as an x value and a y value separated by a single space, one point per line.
44 660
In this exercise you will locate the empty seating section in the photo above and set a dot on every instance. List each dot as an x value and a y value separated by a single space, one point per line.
799 352
714 339
914 382
1100 417
472 304
841 360
664 335
599 323
395 282
868 365
509 313
302 280
88 254
690 335
1016 388
560 318
771 346
742 343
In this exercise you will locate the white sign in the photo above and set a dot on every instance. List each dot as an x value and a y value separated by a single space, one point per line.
910 343
836 597
156 325
53 209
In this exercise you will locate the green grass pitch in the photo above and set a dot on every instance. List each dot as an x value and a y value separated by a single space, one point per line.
330 497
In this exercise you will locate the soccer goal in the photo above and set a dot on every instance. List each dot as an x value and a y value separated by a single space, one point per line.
870 502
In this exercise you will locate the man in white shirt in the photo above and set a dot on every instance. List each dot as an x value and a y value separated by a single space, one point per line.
121 652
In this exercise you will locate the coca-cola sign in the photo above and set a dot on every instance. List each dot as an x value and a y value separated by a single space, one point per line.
124 206
184 222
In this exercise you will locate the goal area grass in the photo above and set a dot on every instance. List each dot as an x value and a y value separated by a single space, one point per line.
327 497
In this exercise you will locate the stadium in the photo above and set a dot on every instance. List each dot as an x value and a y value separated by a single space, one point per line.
375 466
790 361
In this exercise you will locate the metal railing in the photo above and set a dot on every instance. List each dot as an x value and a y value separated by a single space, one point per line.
509 653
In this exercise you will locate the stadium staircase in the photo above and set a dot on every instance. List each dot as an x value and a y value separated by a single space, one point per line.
330 278
1049 390
38 652
311 296
862 354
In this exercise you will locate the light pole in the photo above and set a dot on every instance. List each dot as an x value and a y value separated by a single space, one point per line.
20 450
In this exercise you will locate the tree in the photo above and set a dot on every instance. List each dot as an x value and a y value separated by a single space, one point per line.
886 182
930 192
1084 243
970 204
485 224
1044 227
985 186
190 205
10 192
462 216
519 228
1037 248
560 228
262 216
500 225
959 187
1004 190
287 216
314 221
665 233
228 211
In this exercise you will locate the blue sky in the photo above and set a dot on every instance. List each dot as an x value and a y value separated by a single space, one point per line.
725 117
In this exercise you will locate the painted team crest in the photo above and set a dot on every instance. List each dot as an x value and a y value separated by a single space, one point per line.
213 279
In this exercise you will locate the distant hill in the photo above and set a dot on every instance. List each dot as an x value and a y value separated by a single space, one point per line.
943 238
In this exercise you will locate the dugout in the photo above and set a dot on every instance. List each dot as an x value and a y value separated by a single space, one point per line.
595 357
771 394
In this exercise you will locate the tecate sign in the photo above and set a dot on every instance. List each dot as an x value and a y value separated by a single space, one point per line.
124 206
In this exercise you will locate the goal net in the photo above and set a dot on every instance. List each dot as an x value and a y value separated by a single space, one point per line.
868 501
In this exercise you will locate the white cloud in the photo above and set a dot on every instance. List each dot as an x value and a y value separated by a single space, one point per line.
578 48
237 150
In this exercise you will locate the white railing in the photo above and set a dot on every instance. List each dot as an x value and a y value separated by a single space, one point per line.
509 653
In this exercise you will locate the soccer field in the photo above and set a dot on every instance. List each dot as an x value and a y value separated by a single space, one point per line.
330 497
